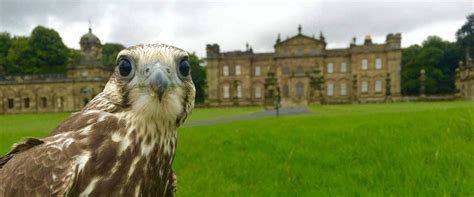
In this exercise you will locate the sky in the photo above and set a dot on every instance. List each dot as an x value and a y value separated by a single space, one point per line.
191 25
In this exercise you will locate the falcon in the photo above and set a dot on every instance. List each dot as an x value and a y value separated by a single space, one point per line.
121 144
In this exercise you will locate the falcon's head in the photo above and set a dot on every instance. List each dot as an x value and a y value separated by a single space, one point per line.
152 81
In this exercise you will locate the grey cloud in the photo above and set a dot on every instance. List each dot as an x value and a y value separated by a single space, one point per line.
192 24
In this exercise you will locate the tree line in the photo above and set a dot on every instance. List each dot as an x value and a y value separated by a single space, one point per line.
439 58
43 51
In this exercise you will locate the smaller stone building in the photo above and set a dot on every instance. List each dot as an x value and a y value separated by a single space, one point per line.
465 79
69 91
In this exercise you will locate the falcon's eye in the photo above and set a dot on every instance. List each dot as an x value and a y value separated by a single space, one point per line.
184 68
125 68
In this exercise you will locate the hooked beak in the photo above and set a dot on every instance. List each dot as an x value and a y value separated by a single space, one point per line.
158 83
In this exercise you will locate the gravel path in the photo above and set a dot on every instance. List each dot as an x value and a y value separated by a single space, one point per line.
283 112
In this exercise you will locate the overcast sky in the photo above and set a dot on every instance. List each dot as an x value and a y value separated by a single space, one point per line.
192 24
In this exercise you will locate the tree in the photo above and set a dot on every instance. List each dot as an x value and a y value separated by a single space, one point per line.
18 57
74 56
110 52
198 73
50 55
5 44
410 70
439 58
465 35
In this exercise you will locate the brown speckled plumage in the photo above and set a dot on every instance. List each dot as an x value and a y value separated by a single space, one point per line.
121 144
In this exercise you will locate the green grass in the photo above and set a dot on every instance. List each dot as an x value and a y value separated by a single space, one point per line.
201 114
407 149
400 149
13 127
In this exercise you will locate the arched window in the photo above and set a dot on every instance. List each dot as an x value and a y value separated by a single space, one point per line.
378 86
26 102
258 92
10 102
364 87
285 90
60 102
330 89
238 90
343 89
44 102
299 89
226 91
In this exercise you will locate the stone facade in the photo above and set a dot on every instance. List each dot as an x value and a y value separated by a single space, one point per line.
57 92
302 71
465 79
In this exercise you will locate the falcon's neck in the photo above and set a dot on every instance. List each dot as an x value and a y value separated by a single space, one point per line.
153 136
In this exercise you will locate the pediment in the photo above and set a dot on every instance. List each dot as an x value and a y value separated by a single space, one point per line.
299 40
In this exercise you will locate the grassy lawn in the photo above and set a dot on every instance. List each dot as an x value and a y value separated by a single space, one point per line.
16 126
407 149
200 114
401 149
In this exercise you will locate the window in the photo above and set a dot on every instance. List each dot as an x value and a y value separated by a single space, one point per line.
365 64
237 69
286 70
314 51
299 70
378 86
257 71
226 91
300 51
26 102
330 90
285 91
330 68
299 89
343 67
225 70
60 102
378 63
285 52
258 93
11 104
364 87
239 91
44 102
343 89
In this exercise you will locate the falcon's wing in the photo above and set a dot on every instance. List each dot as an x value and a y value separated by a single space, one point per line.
40 170
18 148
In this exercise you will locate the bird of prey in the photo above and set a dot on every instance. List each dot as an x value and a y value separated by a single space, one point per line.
121 144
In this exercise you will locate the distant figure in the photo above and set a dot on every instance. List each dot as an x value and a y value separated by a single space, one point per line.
121 144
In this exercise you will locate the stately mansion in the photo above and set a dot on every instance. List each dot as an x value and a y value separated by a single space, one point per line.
58 92
301 71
